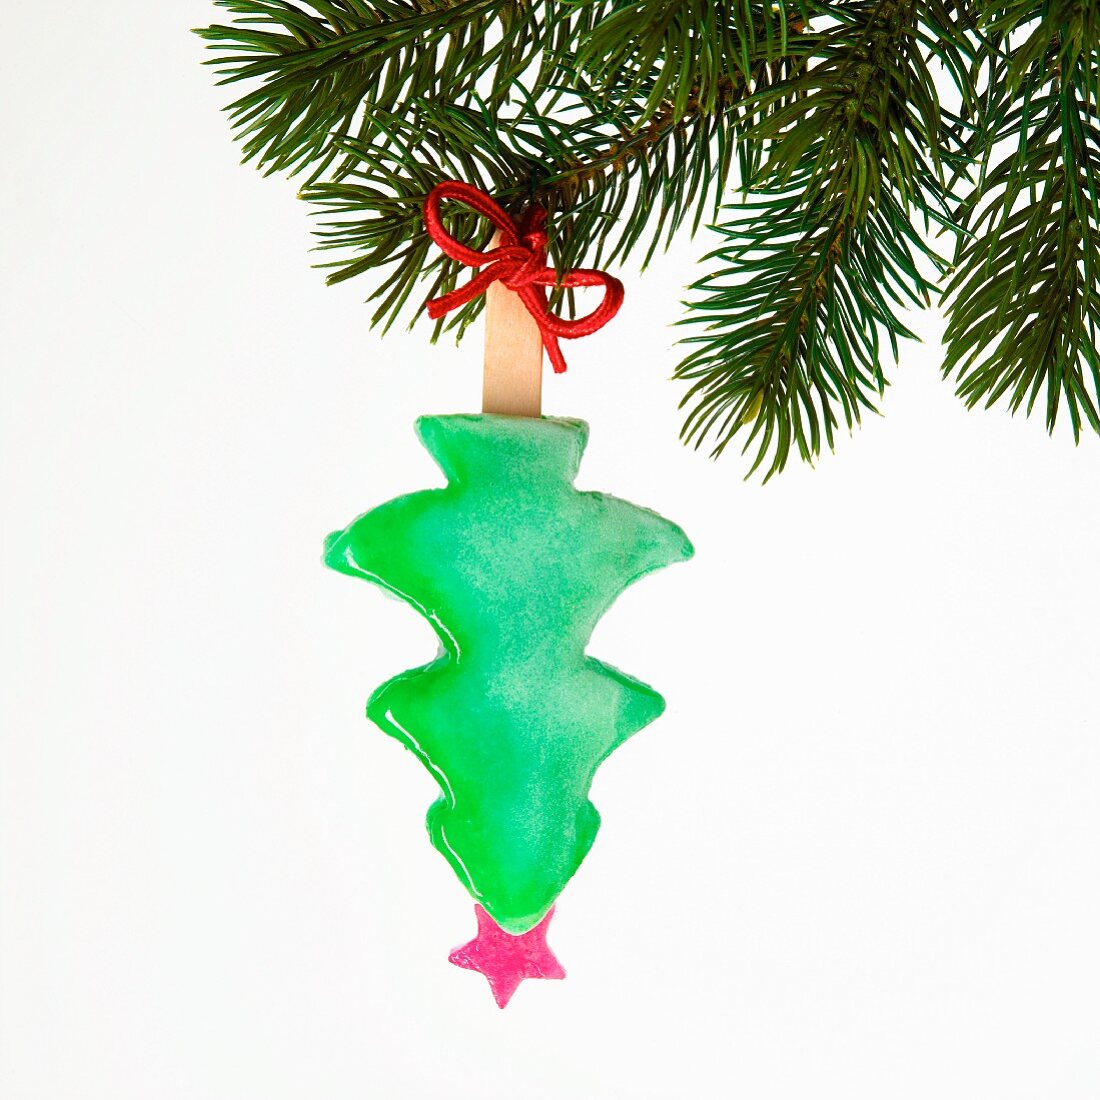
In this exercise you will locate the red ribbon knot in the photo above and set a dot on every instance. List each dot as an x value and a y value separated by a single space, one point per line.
519 262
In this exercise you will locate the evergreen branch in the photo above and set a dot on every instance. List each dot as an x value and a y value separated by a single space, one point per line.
604 193
610 174
672 61
628 119
794 321
813 272
1025 298
375 212
319 71
677 56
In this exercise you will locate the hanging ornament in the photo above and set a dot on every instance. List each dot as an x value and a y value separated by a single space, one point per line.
512 567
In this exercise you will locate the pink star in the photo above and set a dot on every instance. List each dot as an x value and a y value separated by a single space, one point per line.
507 960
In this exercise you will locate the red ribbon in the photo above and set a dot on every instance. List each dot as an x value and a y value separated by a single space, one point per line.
519 262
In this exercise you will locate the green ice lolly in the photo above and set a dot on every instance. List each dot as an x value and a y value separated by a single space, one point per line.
512 567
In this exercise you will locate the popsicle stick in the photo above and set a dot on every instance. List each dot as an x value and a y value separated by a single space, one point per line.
513 355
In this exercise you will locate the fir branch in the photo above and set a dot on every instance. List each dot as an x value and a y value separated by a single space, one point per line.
604 193
628 120
803 333
678 56
318 71
613 171
813 273
611 174
1025 298
372 214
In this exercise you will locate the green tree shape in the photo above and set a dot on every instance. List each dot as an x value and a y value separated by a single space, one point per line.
512 567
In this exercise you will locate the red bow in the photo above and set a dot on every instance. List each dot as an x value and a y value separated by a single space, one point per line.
519 262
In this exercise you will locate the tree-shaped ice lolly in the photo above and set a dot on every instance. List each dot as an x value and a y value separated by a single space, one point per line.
512 567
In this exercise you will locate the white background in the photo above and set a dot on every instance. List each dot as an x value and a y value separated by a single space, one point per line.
857 858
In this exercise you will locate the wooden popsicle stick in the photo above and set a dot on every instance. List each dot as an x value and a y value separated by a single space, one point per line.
513 355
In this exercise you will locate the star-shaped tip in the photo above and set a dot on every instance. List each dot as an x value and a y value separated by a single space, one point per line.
507 960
